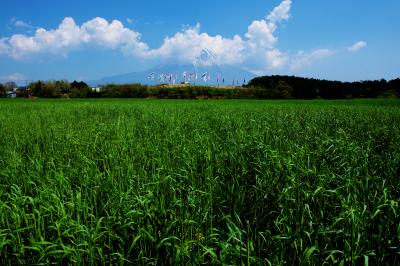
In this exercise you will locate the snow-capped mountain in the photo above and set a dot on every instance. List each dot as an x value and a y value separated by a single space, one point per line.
205 58
203 71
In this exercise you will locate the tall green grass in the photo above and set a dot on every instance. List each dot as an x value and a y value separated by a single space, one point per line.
199 182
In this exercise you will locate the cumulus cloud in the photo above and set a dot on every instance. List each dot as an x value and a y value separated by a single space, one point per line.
69 36
281 12
303 59
186 47
276 58
58 41
256 50
113 35
261 34
357 46
262 40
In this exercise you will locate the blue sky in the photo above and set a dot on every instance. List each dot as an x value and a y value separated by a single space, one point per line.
86 40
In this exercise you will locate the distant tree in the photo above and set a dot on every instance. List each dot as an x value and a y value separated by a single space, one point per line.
79 89
37 88
49 89
267 87
10 85
61 87
394 86
125 91
78 85
2 91
306 88
285 90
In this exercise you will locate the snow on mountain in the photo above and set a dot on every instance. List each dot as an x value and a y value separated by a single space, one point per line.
203 71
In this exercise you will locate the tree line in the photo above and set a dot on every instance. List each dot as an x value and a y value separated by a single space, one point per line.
309 88
7 86
266 87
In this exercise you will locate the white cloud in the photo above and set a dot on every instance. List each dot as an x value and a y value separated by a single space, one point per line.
17 23
303 59
59 41
257 50
69 36
281 12
22 24
276 59
113 35
261 44
13 77
357 46
261 34
186 47
130 21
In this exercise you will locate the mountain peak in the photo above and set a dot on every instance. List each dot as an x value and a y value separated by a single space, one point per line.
172 72
206 58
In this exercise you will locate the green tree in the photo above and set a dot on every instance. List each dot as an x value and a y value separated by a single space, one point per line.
2 91
49 89
79 89
37 88
62 87
10 85
285 90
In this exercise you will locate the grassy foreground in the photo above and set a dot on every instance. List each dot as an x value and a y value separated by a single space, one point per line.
199 182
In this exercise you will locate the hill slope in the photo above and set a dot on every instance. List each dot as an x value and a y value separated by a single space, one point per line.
178 73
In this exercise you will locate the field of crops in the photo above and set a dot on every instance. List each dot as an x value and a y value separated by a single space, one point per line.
149 182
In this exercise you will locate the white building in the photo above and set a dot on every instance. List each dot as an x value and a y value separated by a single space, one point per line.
12 93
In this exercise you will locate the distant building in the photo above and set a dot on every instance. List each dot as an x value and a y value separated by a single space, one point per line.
23 91
97 89
12 93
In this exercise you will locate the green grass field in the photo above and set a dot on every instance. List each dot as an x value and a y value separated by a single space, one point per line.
199 182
